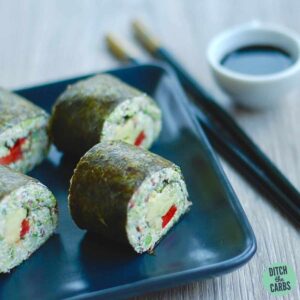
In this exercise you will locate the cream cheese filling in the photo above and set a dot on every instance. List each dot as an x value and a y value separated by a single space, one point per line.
155 207
159 203
34 148
13 223
131 119
33 206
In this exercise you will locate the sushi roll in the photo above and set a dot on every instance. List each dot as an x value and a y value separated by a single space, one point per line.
102 108
28 216
23 132
127 194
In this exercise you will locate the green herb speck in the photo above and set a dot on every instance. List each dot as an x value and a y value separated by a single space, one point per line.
148 240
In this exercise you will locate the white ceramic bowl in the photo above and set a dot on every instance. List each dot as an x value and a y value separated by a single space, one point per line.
256 91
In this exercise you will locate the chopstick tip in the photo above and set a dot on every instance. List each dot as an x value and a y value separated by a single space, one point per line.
116 47
137 23
142 34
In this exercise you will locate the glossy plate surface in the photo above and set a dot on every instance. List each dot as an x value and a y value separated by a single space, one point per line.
213 238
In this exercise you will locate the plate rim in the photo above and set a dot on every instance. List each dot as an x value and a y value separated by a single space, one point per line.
192 274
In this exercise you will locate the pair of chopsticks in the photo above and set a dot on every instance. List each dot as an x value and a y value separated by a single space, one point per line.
223 132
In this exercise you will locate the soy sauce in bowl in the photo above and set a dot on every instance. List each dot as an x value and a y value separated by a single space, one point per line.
257 60
256 64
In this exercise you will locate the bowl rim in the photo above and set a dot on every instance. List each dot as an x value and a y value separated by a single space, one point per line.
254 26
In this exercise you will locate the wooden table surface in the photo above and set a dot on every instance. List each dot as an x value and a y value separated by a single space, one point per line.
49 40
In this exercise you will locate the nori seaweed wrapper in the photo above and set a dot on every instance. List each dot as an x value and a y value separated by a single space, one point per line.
104 181
15 109
11 180
80 112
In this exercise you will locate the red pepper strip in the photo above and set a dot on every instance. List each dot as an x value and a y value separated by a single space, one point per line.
140 138
15 153
25 227
168 216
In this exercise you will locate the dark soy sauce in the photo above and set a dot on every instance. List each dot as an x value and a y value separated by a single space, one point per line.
257 60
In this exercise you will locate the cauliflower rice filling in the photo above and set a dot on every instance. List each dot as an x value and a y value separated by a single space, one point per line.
155 207
136 121
27 218
25 145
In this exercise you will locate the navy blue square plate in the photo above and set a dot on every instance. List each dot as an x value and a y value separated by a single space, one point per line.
213 238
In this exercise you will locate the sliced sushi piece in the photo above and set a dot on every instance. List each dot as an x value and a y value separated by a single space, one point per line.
24 140
103 108
127 194
28 216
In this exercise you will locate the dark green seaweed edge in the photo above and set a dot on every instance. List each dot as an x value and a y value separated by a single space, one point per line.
81 110
104 181
16 109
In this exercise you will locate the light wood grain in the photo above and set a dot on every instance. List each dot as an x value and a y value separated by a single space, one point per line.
47 40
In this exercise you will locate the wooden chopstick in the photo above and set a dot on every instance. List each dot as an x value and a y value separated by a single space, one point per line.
262 163
223 143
